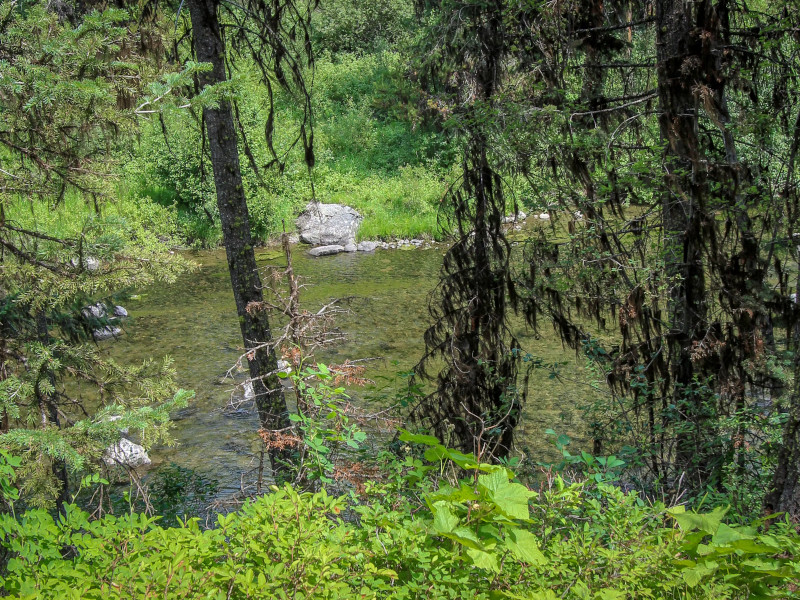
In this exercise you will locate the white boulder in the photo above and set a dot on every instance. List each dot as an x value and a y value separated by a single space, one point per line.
125 452
328 224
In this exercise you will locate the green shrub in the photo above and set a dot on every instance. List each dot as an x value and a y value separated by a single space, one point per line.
362 25
484 536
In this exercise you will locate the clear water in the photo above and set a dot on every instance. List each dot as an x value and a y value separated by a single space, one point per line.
194 322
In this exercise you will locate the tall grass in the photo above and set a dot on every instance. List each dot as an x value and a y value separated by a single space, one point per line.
371 155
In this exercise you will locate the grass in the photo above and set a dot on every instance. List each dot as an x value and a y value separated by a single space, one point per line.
370 155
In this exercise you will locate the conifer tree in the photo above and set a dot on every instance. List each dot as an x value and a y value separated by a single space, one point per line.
66 87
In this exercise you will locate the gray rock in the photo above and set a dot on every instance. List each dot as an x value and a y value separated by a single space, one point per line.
417 242
544 216
97 310
127 453
328 224
509 219
350 248
367 246
326 250
105 333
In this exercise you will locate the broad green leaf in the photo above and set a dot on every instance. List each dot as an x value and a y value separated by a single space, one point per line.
493 481
444 521
755 547
510 498
465 493
465 537
524 545
610 595
484 560
417 438
708 522
695 575
726 534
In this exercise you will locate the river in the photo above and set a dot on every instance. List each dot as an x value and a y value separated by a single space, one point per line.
194 321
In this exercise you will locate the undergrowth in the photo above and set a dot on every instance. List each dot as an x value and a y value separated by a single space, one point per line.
435 524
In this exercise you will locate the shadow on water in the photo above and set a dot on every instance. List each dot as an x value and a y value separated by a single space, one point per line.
194 322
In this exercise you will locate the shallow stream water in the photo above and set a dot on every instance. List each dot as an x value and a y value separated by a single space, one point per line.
194 322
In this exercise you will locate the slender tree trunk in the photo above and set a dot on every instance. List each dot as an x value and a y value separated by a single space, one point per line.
209 48
681 213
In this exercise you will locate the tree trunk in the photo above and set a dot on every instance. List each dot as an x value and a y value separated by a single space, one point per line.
682 209
784 495
235 219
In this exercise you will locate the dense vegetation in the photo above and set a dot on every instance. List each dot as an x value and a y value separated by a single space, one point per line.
483 536
661 138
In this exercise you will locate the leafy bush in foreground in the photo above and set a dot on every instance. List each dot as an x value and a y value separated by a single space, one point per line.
486 536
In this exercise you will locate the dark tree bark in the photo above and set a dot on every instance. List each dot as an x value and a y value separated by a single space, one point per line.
784 495
245 280
682 210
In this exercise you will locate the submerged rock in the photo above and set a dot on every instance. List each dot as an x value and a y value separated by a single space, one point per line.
326 250
99 310
367 246
126 452
328 224
106 333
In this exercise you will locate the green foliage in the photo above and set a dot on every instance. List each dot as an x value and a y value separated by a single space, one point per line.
739 558
323 422
599 469
372 153
363 25
81 446
68 88
486 537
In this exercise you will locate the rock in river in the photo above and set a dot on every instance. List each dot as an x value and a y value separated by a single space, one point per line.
367 246
127 453
328 224
99 310
326 250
